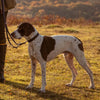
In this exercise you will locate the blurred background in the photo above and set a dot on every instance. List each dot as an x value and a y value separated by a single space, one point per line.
37 10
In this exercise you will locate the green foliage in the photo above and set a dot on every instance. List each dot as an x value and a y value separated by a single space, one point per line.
18 70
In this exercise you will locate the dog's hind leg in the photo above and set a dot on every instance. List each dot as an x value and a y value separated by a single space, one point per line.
69 60
33 66
82 61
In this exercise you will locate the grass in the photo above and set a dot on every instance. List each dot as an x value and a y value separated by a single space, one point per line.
18 70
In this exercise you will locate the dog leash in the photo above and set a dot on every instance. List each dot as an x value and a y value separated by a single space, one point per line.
7 31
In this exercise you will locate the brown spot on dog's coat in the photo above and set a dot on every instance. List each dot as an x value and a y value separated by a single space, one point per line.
25 29
80 45
47 46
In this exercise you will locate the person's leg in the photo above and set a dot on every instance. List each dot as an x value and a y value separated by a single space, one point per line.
2 47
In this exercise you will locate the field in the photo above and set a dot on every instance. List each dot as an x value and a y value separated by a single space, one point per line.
18 69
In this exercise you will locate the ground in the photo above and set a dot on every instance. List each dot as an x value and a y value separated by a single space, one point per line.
18 69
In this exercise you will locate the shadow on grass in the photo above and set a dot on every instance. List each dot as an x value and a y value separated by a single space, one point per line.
48 95
97 90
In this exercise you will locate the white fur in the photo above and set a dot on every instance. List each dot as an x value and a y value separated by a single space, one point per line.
17 35
63 43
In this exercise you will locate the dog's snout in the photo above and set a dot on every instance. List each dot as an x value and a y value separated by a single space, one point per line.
13 34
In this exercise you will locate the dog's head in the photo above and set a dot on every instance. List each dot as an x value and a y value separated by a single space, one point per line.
24 29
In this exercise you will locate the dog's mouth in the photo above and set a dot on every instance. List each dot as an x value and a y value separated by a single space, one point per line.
18 38
14 36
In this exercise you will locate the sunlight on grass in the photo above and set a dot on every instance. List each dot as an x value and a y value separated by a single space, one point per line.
18 69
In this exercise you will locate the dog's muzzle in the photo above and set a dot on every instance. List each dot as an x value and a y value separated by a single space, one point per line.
13 34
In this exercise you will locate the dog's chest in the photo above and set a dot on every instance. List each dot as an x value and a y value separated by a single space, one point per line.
34 50
31 50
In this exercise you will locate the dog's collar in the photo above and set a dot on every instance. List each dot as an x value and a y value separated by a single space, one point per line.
33 38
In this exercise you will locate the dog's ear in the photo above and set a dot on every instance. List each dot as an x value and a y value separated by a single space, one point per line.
29 29
26 29
21 29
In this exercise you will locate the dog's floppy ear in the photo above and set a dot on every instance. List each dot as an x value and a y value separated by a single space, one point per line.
26 29
29 29
21 29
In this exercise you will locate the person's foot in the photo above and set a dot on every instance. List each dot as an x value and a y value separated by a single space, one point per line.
2 78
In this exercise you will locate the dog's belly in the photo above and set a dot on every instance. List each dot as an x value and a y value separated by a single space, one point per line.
55 53
52 56
63 43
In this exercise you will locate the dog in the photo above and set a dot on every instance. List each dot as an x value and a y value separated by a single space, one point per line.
45 48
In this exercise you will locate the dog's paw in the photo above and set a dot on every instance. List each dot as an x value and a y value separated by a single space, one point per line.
91 87
69 84
41 91
29 87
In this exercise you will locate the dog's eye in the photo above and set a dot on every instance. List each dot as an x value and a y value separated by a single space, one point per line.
21 31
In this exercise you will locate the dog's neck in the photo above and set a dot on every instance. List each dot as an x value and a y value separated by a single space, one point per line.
32 36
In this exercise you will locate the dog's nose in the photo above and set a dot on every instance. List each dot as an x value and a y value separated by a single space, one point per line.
13 34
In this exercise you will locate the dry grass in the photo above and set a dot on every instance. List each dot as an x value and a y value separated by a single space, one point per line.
18 69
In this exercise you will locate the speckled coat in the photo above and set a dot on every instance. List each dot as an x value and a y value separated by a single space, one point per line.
45 48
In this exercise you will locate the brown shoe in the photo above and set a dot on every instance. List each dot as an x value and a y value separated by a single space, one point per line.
2 80
2 62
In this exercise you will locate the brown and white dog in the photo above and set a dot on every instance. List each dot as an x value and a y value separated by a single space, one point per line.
45 48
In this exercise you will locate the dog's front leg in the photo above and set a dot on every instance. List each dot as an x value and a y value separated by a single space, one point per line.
43 69
33 66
